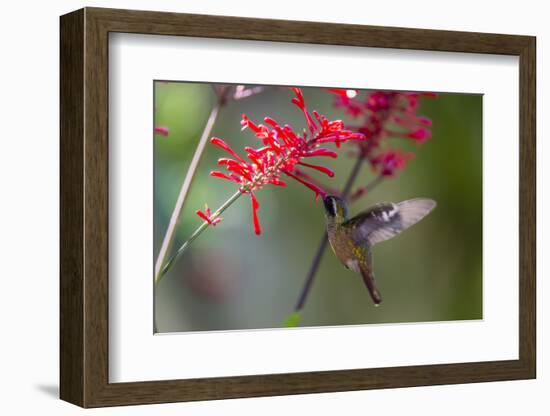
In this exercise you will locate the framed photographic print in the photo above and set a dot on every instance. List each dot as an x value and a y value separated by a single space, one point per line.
257 207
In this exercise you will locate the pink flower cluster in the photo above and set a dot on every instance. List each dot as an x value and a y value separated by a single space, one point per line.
382 115
163 131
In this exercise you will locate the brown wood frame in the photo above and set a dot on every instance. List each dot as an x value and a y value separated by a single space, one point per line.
84 207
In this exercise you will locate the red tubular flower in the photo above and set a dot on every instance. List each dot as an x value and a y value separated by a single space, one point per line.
207 216
163 131
389 161
420 135
283 149
255 207
312 181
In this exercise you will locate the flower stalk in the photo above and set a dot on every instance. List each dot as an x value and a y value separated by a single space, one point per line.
282 152
195 234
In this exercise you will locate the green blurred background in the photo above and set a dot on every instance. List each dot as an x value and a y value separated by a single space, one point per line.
233 279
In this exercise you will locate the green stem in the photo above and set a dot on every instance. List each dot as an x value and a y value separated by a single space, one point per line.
197 232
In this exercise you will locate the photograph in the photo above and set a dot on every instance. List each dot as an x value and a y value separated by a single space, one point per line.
262 206
280 207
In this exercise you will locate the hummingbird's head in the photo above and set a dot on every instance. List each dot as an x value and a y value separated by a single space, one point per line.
335 208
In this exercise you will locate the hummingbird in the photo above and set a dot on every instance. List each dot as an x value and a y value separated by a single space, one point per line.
352 239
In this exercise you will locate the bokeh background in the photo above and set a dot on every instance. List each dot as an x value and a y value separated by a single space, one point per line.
232 279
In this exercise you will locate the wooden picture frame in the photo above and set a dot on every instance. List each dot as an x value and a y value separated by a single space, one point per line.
84 207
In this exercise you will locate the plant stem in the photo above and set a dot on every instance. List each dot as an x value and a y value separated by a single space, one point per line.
197 232
324 241
184 190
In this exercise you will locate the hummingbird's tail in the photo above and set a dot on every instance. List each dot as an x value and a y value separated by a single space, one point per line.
368 278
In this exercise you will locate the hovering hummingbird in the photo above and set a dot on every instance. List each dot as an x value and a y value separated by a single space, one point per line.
352 239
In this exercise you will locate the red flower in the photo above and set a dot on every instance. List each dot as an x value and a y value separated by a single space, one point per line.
207 216
419 135
389 161
163 131
283 149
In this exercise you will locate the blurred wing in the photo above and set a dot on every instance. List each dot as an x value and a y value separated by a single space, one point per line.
386 220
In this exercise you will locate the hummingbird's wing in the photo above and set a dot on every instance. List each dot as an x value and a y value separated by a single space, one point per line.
386 220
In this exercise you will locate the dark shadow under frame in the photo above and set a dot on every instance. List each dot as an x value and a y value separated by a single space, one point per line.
84 207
